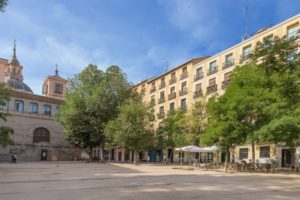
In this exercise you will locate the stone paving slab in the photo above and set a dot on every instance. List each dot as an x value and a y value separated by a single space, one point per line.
76 180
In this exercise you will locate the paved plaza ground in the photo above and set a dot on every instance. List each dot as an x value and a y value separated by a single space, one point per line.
80 181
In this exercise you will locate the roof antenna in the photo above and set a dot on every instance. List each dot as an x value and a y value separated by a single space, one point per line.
246 36
166 66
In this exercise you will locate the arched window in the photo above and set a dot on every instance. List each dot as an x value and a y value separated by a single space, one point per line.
41 135
19 106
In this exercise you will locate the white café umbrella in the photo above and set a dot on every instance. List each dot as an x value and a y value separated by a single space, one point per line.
209 149
191 149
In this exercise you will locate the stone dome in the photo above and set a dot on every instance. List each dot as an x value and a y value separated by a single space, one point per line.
18 85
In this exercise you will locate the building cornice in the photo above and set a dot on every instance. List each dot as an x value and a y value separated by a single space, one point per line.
36 97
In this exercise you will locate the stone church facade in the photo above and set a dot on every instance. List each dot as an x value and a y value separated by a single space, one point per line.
37 134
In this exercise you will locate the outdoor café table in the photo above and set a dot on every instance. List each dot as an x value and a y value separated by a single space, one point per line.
250 167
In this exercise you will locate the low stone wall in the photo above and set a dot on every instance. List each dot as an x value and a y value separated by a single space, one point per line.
34 153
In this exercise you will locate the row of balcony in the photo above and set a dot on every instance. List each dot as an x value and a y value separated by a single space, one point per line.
199 93
199 76
161 114
185 91
171 81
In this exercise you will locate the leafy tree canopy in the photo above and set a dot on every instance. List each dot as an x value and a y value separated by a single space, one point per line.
130 129
3 4
92 100
5 131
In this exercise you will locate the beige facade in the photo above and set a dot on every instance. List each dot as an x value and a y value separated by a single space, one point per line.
199 79
37 134
55 86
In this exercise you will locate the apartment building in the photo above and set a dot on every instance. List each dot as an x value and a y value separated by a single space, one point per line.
200 78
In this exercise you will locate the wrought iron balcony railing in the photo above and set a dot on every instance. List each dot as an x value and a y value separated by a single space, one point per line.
211 89
172 95
197 94
225 83
212 71
198 77
228 64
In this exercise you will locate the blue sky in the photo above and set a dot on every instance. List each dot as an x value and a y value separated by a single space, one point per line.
140 36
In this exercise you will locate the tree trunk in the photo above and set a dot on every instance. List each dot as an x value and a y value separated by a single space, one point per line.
90 155
101 157
171 156
109 156
227 153
253 151
135 157
130 156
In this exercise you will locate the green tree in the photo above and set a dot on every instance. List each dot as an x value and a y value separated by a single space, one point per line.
196 121
237 115
280 61
92 100
5 131
131 128
110 131
262 101
3 4
174 130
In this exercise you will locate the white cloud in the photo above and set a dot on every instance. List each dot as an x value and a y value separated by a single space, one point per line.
197 18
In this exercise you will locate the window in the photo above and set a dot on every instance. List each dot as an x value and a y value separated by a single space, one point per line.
161 109
4 104
173 75
291 57
172 106
57 111
213 66
143 90
183 104
41 135
33 107
183 86
152 117
243 153
172 90
162 82
264 152
173 78
58 88
184 70
162 95
293 31
152 100
268 40
152 112
19 106
212 81
199 71
247 50
198 87
47 109
229 58
160 127
153 86
227 76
